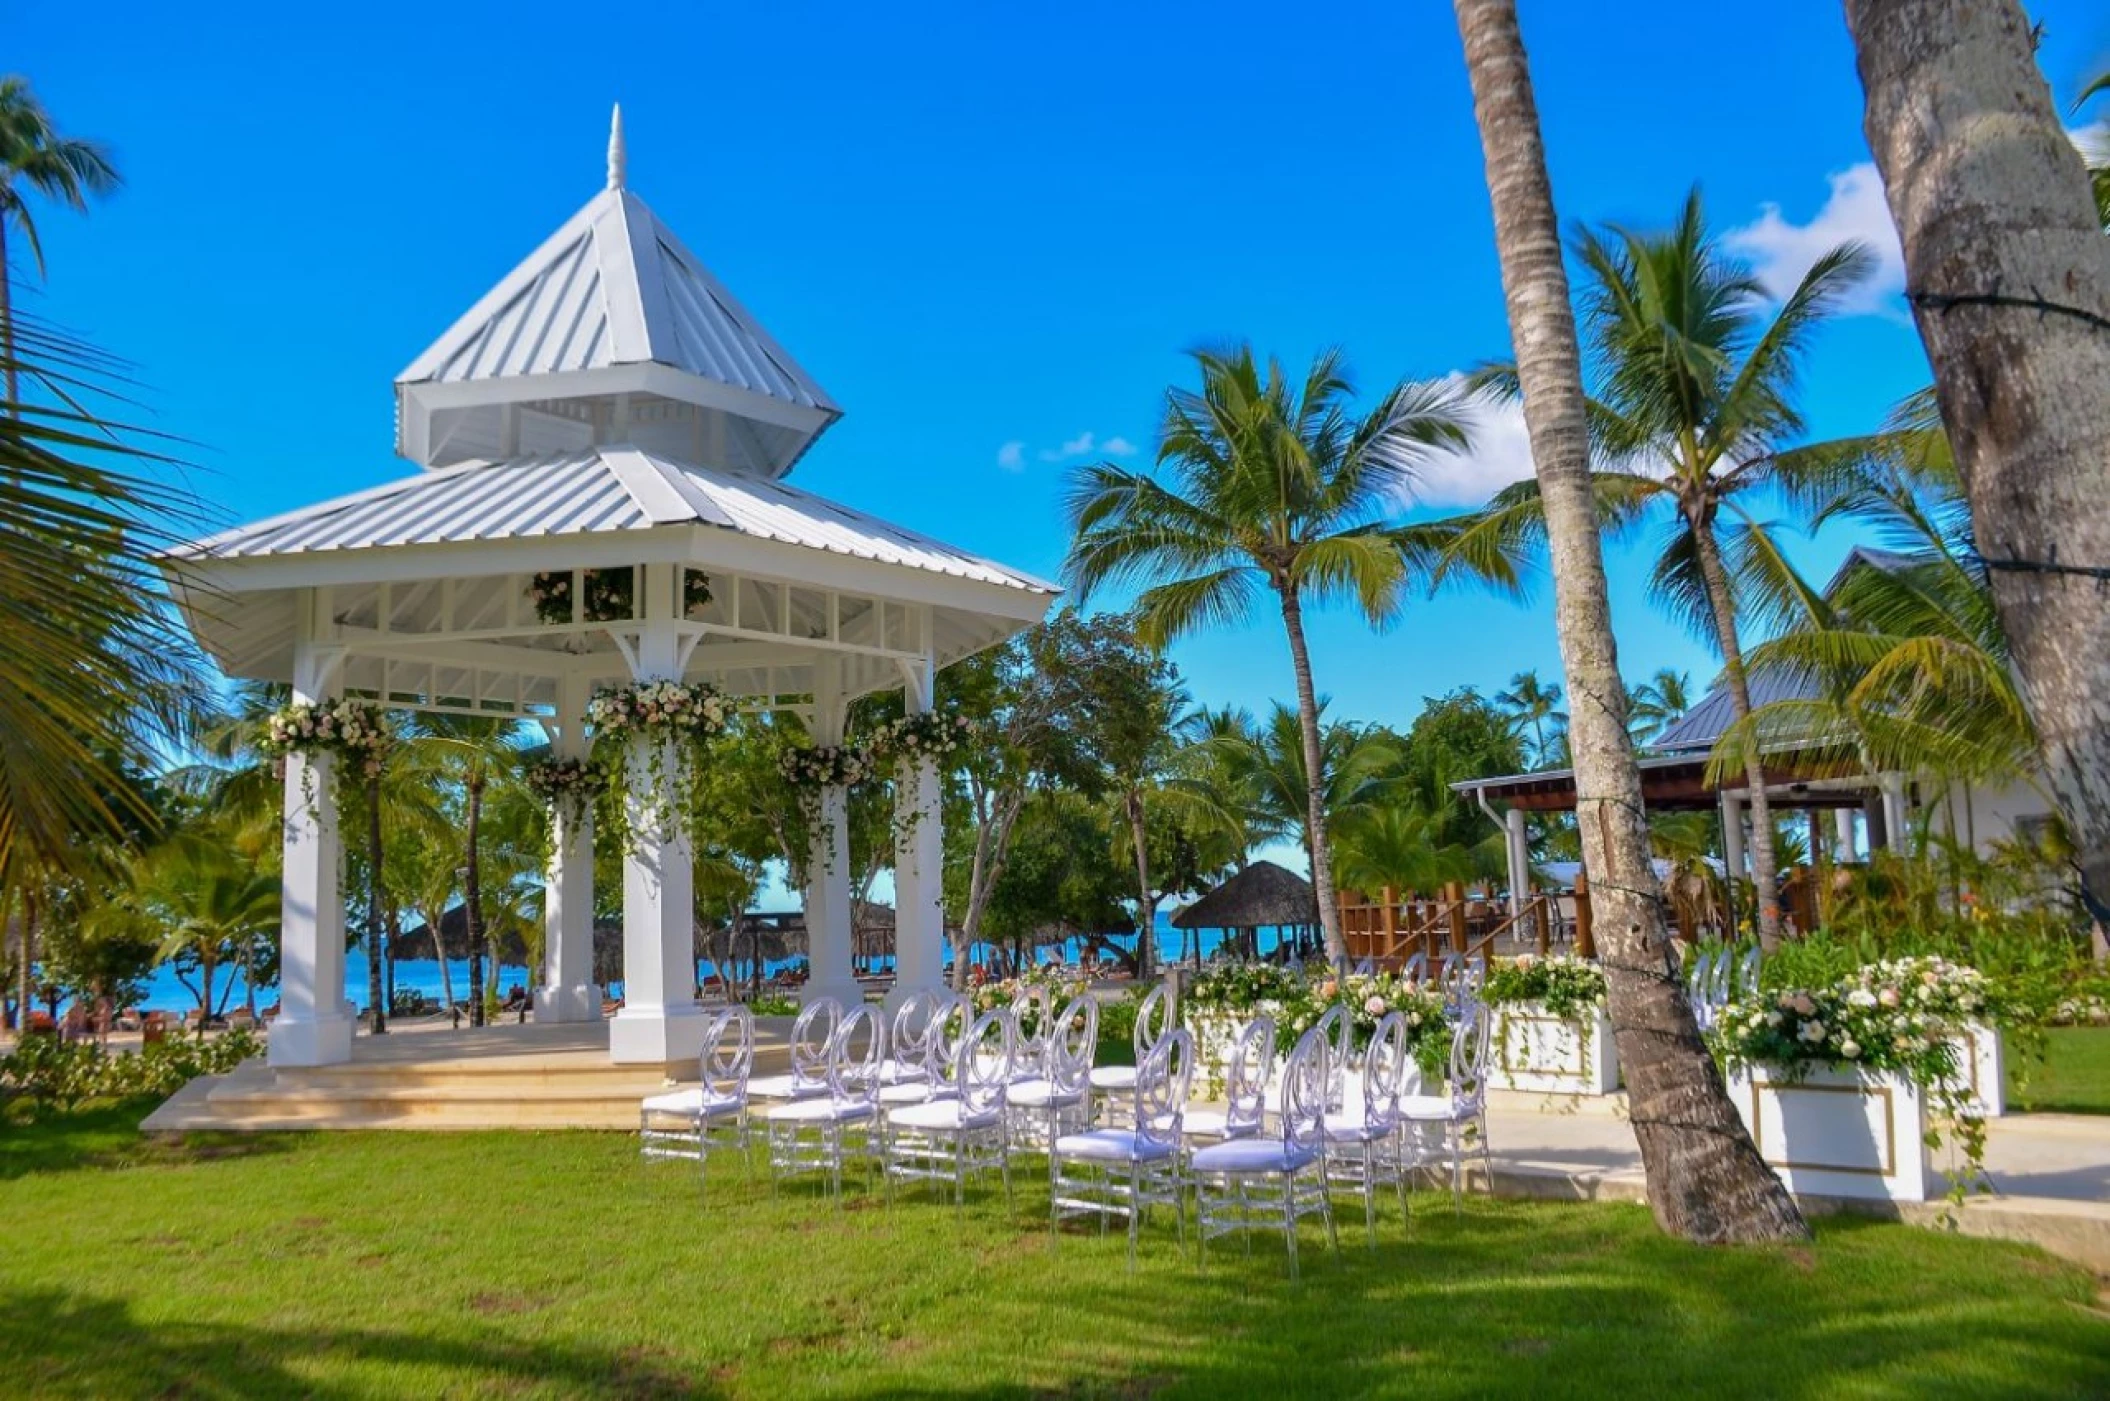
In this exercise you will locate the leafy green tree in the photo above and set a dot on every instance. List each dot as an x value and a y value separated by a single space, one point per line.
36 158
1694 375
1266 481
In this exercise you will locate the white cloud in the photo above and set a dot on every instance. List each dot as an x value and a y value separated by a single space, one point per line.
1781 251
1012 456
1079 446
1500 454
1118 446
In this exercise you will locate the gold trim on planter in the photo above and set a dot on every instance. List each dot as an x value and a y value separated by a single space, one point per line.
1890 1126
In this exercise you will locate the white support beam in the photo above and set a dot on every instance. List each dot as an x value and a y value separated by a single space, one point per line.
828 862
314 1025
919 855
569 993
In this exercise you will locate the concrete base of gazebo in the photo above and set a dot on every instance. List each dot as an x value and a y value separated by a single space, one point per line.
548 1075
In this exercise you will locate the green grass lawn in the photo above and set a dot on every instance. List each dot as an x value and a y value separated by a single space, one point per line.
343 1265
2075 1075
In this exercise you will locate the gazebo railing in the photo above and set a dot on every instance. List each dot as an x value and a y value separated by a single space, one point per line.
1392 929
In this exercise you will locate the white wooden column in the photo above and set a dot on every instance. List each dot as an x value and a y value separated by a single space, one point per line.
919 856
1894 812
828 860
1843 834
1733 836
569 993
660 1022
314 1022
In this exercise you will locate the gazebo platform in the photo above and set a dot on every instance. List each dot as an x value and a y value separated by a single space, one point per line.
555 1076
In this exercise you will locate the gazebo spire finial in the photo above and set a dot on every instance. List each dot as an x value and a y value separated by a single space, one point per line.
615 149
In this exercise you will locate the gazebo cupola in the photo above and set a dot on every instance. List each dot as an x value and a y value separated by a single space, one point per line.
603 442
611 332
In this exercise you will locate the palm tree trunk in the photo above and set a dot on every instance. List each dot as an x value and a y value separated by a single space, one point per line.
26 973
1706 1181
439 949
1314 780
2009 277
472 901
1146 903
1764 878
375 991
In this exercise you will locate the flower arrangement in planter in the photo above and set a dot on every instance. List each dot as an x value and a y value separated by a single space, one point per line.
611 594
1880 1075
357 732
673 718
567 786
1226 997
1551 1031
917 736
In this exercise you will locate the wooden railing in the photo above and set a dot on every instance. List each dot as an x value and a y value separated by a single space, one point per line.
1394 927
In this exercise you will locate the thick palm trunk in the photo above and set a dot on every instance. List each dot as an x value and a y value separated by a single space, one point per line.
1146 902
375 990
1314 782
2008 273
1764 878
473 903
1705 1180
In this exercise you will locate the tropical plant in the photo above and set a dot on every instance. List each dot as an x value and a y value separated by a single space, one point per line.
1399 848
213 903
1659 702
1269 481
36 158
1695 374
2095 147
1705 1179
1532 705
476 753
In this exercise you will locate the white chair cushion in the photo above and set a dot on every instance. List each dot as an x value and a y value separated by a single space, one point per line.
1113 1146
1343 1128
784 1087
1213 1123
1429 1108
902 1072
943 1116
1113 1077
822 1111
691 1103
1042 1094
1250 1155
915 1093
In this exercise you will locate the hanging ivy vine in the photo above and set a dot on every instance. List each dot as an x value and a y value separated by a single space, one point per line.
674 719
811 769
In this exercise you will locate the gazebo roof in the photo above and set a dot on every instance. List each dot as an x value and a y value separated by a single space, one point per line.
1261 896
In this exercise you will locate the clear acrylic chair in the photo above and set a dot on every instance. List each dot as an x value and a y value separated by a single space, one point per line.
1461 980
812 1042
1272 1181
1032 1016
813 1135
1113 1082
1059 1099
910 1033
1748 970
1251 1064
944 1139
952 1014
1454 1123
1337 1031
1416 969
1108 1172
689 1122
1366 1145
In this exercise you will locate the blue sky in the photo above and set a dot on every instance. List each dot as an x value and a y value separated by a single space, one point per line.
980 227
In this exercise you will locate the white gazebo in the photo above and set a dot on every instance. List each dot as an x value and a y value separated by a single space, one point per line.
607 410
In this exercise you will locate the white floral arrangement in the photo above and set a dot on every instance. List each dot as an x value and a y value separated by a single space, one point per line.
569 786
1240 991
1953 993
918 736
658 710
356 731
809 768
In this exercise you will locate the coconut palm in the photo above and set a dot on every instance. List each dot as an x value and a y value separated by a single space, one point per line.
1532 705
1705 1180
2095 146
1398 847
1268 481
213 902
1214 795
35 158
1659 702
476 753
1695 375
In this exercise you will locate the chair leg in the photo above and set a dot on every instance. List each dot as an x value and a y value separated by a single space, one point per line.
1369 1197
1289 1221
1135 1211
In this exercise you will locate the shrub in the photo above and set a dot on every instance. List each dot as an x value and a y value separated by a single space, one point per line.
1568 988
773 1004
56 1075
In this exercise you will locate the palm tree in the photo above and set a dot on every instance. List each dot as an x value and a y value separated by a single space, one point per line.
2096 148
475 752
1272 482
2005 251
35 157
1530 705
213 902
1694 408
1705 1179
1399 847
1214 794
1659 702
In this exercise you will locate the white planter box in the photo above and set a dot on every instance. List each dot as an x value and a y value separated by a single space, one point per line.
1213 1039
1839 1133
1537 1051
1982 1057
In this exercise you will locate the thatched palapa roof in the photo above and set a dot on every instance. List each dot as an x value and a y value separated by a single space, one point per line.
1261 895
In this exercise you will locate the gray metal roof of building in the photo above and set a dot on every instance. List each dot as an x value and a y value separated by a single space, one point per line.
599 489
